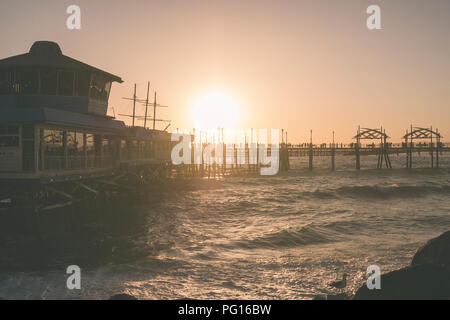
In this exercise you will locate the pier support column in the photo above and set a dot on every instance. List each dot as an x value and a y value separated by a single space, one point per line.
333 159
311 153
406 150
431 148
333 155
358 156
438 144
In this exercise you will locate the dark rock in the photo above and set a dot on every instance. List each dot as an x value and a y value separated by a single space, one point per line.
339 296
436 251
122 296
419 282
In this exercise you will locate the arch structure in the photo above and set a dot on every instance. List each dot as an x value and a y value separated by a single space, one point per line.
371 134
422 133
418 133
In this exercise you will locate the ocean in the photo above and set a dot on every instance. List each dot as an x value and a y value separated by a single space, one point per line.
278 237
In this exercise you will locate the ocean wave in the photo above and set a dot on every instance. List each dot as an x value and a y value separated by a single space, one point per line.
377 192
307 235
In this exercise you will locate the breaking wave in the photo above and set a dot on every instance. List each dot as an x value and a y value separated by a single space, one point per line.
378 192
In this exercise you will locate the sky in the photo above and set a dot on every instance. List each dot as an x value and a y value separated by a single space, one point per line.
296 65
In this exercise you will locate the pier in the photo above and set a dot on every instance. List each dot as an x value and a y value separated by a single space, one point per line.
417 140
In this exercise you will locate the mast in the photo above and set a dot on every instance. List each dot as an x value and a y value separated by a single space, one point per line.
134 104
146 105
154 113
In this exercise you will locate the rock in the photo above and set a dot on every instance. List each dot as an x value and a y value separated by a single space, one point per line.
418 282
339 296
436 251
122 296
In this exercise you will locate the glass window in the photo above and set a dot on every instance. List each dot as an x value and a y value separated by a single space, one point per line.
9 129
134 150
90 150
54 142
108 151
54 149
82 83
108 147
79 142
98 144
100 88
29 81
6 81
28 155
65 83
75 149
124 150
9 141
48 81
9 136
75 143
142 150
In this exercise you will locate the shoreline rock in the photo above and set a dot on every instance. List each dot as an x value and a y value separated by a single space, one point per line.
427 278
435 251
122 296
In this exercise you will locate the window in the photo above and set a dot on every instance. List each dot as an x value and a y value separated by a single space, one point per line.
124 155
100 88
29 81
98 150
9 136
75 143
54 142
90 150
82 84
6 81
9 130
75 149
134 150
65 83
9 141
108 151
48 81
54 149
93 150
28 148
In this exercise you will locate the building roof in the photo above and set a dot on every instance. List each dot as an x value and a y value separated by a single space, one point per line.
9 115
49 54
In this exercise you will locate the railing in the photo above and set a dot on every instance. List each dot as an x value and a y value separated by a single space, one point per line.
60 163
369 145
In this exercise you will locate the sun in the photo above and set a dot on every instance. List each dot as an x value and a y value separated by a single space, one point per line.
215 109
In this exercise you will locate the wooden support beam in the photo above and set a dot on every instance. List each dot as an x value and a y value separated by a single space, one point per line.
61 193
115 184
86 188
56 206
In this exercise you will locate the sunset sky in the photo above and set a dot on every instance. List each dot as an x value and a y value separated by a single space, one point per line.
297 65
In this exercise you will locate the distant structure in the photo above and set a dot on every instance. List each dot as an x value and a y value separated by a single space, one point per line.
417 133
373 134
383 149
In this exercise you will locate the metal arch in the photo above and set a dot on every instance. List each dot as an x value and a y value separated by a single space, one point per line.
422 133
371 134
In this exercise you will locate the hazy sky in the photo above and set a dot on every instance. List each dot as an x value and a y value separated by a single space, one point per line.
297 65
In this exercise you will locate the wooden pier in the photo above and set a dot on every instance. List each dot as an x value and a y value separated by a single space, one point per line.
414 144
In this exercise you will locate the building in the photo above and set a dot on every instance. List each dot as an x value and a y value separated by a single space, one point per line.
54 124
